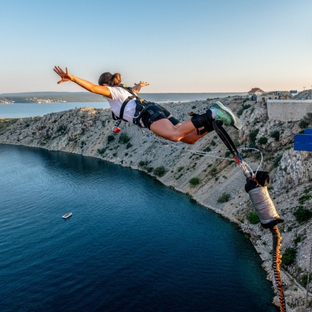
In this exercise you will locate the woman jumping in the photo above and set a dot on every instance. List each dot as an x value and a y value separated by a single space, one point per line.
126 105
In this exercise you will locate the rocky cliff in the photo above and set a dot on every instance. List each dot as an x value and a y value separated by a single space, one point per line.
205 171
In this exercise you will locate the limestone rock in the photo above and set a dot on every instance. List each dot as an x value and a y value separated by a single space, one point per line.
87 131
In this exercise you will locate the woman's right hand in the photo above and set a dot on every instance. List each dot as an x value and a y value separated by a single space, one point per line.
64 75
102 90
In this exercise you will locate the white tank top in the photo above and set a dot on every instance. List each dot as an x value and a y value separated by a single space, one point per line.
119 95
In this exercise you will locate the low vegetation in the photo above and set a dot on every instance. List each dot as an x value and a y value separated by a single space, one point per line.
194 181
275 135
305 121
253 217
245 106
225 197
159 171
263 140
289 256
102 151
124 138
252 137
145 165
110 138
277 161
302 214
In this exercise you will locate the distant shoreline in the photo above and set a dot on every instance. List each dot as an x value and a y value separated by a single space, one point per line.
77 97
84 93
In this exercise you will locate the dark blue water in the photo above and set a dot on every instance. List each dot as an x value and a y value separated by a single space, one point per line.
131 245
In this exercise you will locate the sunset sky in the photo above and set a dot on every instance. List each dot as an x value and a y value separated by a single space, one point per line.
175 45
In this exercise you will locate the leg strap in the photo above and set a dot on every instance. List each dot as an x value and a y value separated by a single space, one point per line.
203 120
174 121
207 128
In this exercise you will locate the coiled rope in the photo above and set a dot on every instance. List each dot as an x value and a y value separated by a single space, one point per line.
276 265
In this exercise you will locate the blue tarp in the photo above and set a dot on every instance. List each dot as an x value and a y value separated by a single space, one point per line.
303 142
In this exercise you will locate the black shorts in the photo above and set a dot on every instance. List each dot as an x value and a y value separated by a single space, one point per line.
153 113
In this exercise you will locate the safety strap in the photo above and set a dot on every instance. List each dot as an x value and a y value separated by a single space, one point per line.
139 101
128 89
123 106
141 105
227 140
248 172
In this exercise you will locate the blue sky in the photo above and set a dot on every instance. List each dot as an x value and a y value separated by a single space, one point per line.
177 46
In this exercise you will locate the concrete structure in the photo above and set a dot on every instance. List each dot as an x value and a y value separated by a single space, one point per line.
288 110
255 94
255 91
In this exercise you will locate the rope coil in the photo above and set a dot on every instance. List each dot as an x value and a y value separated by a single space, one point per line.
276 265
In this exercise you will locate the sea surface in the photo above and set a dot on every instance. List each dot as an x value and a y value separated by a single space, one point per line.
20 110
132 244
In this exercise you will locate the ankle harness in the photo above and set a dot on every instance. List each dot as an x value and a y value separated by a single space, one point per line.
203 120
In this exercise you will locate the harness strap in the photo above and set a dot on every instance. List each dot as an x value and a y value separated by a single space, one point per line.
123 106
128 89
141 105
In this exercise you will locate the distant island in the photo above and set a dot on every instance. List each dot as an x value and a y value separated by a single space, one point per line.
76 97
49 97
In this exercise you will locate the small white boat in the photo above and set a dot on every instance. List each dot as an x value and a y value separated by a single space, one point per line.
67 215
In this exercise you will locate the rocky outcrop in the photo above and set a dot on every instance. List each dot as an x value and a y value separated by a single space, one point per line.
204 170
304 95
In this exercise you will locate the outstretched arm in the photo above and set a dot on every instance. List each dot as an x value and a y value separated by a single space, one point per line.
102 90
137 86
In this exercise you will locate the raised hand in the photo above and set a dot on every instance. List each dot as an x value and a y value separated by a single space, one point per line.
137 86
64 75
142 84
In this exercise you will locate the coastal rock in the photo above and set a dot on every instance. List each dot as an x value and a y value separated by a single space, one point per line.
87 131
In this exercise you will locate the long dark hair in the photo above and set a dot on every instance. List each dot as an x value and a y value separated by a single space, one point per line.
110 79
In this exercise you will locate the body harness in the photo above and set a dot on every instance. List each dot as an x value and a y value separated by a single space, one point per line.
256 187
142 106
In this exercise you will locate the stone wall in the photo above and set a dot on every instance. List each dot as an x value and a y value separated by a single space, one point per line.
288 110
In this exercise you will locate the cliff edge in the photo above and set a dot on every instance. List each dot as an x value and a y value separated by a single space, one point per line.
204 171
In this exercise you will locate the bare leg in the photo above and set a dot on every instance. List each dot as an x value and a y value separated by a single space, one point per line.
192 137
184 132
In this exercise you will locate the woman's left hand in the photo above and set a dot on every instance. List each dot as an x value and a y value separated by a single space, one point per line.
137 86
142 84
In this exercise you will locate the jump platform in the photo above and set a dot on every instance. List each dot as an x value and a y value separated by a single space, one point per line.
303 142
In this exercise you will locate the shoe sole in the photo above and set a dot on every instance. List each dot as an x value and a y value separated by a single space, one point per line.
237 123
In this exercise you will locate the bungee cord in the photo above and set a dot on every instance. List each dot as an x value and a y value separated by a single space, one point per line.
210 154
256 187
116 129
